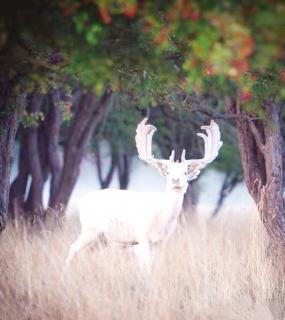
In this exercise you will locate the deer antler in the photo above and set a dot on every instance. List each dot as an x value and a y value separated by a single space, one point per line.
143 139
144 134
213 143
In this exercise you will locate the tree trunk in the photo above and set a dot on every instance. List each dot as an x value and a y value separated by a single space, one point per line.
261 149
105 182
19 185
88 115
43 135
34 203
10 111
190 199
52 127
123 171
229 183
35 159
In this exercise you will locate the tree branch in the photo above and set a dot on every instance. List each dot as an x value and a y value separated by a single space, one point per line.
233 115
257 137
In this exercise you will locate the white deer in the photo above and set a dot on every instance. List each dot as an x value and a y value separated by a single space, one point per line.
143 218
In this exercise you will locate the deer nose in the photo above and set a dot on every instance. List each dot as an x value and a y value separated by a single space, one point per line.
175 180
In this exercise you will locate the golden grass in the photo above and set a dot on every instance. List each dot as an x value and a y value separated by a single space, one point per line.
212 271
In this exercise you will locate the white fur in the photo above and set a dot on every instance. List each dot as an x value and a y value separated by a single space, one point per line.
126 217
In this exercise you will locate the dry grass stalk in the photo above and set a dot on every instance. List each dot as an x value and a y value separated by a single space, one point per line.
216 271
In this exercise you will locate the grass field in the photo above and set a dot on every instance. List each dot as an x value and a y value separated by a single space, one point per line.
215 270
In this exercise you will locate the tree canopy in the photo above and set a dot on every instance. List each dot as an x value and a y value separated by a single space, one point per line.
149 48
223 60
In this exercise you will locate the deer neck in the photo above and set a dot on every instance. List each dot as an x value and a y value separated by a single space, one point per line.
175 197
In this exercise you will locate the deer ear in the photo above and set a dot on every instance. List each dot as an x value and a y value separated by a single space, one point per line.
194 170
162 167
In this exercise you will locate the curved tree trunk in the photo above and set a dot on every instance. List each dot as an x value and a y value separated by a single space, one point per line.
35 159
89 114
34 203
262 149
229 183
40 151
105 182
52 129
10 112
19 185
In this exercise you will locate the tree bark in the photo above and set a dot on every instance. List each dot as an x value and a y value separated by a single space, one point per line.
34 203
229 183
123 171
10 112
89 114
261 149
190 199
33 162
19 185
105 182
52 127
43 150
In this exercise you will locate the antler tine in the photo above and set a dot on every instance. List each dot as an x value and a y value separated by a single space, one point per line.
206 141
172 156
212 143
183 159
216 136
144 133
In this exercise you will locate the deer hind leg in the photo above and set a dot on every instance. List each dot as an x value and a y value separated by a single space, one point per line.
84 240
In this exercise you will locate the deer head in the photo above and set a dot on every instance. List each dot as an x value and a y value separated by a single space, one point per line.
178 174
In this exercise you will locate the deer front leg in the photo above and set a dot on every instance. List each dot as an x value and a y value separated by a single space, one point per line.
84 240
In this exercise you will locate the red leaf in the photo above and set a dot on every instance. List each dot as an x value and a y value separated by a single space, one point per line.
130 11
105 15
245 95
171 16
241 65
68 11
208 70
161 37
254 77
282 75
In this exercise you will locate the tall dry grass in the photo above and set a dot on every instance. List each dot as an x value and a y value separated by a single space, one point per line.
217 270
